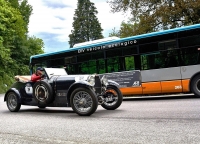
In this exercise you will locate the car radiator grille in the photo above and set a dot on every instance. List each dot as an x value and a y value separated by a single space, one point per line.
97 85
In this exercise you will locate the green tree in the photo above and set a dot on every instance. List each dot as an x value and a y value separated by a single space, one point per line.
86 26
126 29
14 3
25 10
16 46
35 45
24 46
154 15
11 22
114 32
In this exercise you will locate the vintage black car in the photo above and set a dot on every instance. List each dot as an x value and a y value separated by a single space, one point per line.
58 89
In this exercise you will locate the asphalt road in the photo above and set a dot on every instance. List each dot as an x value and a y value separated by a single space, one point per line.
138 121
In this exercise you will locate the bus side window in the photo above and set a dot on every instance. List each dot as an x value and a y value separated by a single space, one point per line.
170 61
190 56
129 63
175 58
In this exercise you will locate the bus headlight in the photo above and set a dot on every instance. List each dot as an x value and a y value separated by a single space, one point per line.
91 80
104 80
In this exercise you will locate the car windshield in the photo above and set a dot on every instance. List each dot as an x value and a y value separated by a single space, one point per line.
55 71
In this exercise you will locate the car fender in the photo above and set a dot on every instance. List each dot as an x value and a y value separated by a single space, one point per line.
16 91
113 83
77 84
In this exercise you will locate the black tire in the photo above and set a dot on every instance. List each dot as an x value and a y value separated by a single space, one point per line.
42 107
115 96
42 93
195 86
12 102
83 101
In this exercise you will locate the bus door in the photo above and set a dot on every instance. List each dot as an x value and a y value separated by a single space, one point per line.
161 73
150 81
170 75
170 80
133 87
165 80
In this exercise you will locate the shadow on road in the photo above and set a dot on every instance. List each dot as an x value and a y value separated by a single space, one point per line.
46 110
26 110
60 112
163 97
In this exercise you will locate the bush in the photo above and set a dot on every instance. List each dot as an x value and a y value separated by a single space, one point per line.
5 82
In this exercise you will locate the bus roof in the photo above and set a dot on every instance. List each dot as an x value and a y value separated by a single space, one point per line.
137 37
96 41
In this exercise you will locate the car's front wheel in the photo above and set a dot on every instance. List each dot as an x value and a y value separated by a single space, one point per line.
12 102
113 98
83 101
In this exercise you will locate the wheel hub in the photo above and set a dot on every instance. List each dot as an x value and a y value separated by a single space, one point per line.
111 98
12 101
41 93
82 101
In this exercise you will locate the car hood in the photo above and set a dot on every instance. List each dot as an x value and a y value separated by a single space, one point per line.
72 77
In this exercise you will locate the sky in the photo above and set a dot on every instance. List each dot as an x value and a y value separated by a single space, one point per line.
51 21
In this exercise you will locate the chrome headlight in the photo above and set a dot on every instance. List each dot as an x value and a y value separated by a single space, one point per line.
104 80
91 80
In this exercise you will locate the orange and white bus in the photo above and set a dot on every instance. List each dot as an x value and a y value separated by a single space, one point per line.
168 61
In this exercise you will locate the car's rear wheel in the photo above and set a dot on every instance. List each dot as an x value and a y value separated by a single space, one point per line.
83 101
12 102
113 98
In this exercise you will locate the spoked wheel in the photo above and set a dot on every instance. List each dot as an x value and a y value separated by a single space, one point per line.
113 98
83 101
13 102
42 92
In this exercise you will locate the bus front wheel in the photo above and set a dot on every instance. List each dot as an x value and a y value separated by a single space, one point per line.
195 85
